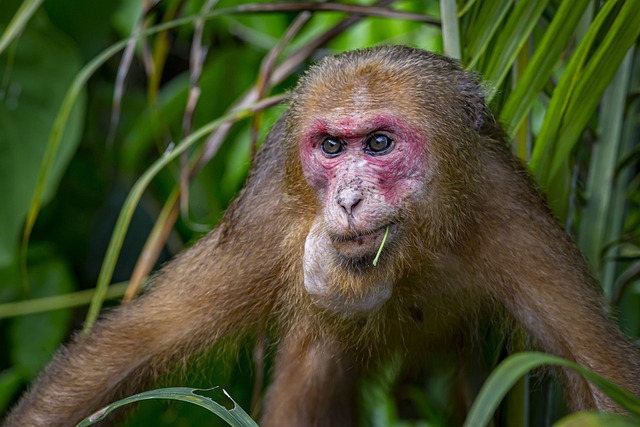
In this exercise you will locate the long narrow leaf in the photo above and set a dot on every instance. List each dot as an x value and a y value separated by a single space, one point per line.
450 28
19 20
56 302
490 17
546 55
517 29
596 419
235 416
603 221
546 141
515 366
596 77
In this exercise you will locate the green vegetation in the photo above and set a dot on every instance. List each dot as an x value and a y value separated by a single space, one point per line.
127 127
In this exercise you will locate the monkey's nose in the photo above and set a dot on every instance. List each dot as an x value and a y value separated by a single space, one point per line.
348 203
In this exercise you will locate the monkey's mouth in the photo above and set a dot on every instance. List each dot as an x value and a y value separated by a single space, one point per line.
361 245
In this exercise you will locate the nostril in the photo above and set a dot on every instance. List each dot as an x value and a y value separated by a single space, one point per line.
348 203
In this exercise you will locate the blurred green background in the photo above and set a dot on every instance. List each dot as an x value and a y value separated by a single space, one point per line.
563 77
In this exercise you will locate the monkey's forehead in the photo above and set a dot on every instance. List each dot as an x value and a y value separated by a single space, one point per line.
396 77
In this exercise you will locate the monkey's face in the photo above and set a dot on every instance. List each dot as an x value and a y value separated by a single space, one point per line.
365 162
365 166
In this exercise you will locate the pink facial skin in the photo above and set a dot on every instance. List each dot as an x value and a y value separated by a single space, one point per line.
394 173
381 182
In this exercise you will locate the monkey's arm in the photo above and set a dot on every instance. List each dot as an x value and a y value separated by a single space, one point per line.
314 381
534 268
225 284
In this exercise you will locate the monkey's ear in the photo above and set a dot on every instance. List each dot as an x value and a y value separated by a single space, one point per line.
474 94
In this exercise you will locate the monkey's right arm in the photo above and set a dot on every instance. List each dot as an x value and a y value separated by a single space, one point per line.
225 284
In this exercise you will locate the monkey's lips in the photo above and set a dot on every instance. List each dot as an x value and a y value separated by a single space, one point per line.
361 245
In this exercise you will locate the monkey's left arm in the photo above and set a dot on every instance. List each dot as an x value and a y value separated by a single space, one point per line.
537 272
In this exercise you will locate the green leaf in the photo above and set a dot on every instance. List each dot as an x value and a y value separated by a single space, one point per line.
546 140
37 336
10 382
503 378
57 302
34 81
489 20
543 62
596 77
515 33
581 87
596 419
235 416
603 219
450 29
23 14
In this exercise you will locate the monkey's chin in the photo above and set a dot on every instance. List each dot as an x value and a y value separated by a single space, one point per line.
332 286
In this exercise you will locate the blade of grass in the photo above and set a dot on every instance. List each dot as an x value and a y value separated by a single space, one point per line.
466 8
490 18
235 416
450 31
57 302
384 239
595 78
522 137
515 366
541 65
546 140
19 20
596 419
515 33
602 220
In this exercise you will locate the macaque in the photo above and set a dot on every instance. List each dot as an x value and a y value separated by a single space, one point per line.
388 141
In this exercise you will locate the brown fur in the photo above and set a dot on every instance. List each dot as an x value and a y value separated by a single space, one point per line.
476 240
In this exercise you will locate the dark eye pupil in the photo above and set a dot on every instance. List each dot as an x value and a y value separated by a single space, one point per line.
379 143
331 146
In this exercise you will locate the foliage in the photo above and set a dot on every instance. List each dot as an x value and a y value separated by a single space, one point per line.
233 415
153 136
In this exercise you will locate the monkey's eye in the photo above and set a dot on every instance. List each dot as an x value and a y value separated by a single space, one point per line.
331 146
379 144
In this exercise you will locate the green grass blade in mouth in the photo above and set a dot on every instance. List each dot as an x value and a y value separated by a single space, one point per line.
384 239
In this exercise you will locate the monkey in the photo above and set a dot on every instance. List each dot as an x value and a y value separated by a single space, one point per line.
392 144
